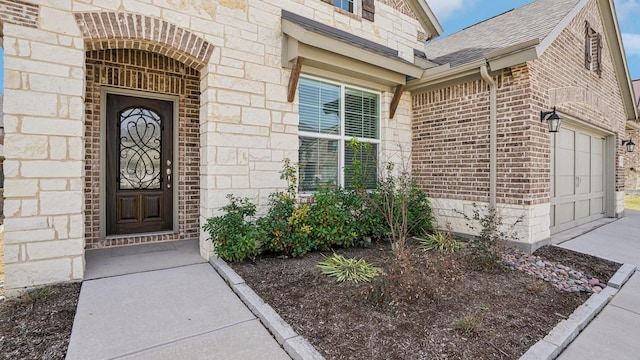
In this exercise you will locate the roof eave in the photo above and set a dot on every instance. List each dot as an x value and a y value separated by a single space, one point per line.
426 18
610 22
497 60
326 43
633 124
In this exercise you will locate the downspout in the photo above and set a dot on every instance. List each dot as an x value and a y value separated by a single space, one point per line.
493 135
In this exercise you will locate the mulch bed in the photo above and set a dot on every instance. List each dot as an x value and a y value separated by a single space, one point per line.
38 324
436 309
511 311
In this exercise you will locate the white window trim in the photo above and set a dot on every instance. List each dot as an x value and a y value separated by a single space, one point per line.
357 6
342 139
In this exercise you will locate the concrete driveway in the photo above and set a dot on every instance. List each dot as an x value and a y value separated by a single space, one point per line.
615 332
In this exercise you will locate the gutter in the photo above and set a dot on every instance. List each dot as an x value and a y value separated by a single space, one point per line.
493 134
633 125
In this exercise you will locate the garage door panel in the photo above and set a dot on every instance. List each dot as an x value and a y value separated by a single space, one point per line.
583 209
597 183
565 162
565 185
597 206
583 142
597 146
565 213
584 184
565 139
578 177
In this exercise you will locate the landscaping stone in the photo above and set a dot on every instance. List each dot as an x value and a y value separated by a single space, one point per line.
562 277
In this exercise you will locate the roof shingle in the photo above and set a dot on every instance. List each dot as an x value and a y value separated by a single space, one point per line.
532 21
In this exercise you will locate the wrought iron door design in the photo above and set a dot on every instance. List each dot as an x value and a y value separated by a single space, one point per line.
139 165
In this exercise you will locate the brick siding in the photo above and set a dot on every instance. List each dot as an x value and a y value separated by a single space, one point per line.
115 30
141 70
451 124
19 13
559 78
632 162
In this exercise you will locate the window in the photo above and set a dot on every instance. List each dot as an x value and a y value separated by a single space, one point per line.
592 50
364 8
347 5
330 116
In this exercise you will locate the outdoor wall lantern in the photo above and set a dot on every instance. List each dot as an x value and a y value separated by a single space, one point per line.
631 146
552 118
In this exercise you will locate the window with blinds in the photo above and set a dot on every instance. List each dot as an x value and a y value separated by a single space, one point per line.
330 115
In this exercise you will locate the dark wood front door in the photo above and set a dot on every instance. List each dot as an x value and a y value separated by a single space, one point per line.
139 189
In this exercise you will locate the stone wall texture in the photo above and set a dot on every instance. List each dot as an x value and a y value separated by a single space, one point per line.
236 125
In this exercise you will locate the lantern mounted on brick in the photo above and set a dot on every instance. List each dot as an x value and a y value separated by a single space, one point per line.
631 146
552 118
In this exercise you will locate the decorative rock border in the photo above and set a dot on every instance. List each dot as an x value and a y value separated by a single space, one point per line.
294 344
567 330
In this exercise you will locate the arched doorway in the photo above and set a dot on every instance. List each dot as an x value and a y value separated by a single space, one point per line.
142 148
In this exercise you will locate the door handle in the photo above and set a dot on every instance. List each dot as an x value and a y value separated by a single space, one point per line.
168 174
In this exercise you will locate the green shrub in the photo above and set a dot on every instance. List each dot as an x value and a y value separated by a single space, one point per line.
346 269
331 218
233 236
285 228
441 241
419 214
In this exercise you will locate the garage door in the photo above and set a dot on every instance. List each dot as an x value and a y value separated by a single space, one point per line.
577 178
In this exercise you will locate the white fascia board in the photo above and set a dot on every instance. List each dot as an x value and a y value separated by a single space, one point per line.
443 74
426 18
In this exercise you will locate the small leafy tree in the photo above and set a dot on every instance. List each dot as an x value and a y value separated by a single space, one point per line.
233 234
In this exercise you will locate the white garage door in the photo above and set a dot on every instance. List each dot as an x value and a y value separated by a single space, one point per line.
577 178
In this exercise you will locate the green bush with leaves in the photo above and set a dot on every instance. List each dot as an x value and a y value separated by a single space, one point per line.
331 218
286 228
233 234
419 214
347 269
440 241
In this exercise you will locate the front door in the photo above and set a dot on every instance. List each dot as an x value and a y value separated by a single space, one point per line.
139 189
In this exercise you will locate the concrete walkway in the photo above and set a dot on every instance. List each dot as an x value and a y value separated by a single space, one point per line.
137 308
615 332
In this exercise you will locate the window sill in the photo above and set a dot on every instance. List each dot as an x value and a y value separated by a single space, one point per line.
349 14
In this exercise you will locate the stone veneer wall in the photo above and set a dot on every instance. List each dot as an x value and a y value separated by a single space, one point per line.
142 70
246 126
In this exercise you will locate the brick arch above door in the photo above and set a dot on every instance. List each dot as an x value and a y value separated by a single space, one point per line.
151 73
123 30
